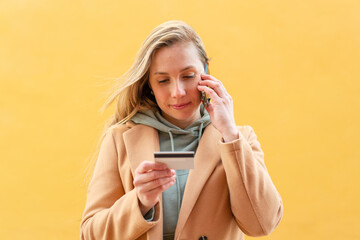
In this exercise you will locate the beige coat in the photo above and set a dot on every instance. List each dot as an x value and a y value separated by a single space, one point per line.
227 194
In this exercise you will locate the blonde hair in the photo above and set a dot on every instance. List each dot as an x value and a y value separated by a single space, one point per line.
133 92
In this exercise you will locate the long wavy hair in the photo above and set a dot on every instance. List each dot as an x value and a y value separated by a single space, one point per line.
131 91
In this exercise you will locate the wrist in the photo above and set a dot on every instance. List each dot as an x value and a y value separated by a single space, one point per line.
231 135
144 209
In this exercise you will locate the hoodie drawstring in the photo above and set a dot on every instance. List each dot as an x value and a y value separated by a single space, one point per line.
171 141
200 131
172 138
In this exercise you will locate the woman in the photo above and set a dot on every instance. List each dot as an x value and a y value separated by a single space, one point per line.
159 109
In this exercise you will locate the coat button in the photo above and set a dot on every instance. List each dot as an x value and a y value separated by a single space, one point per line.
203 238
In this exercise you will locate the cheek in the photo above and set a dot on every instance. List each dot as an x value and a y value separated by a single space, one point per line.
160 96
191 85
193 88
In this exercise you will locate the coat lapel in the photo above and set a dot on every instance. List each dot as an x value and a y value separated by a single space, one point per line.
141 142
206 158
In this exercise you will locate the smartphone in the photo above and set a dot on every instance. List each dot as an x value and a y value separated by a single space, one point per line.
204 97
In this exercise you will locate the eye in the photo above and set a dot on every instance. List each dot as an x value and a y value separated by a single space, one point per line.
163 80
189 76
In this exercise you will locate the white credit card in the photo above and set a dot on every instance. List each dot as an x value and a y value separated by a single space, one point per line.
176 160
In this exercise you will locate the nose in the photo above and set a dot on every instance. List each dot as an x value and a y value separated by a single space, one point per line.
178 89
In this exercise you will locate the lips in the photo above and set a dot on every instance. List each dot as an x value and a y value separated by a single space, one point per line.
180 106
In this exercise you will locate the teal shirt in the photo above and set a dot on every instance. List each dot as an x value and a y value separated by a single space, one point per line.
173 138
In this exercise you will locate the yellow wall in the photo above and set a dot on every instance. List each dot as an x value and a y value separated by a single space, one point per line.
292 68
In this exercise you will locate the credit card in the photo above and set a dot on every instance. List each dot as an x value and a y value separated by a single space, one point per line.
176 160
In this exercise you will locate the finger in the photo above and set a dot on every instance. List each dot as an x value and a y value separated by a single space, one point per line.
152 175
208 77
211 92
216 85
147 166
154 193
154 184
165 186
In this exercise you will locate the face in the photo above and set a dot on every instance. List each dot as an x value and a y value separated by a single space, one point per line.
174 76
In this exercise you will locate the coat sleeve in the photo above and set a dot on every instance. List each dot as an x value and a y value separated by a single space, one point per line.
110 212
255 202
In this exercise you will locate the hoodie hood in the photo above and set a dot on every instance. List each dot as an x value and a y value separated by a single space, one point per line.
171 137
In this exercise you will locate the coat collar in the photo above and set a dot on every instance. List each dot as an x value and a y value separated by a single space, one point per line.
142 141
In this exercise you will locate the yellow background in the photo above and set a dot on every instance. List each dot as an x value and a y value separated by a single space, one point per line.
292 68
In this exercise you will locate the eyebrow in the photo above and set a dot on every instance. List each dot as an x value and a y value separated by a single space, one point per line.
165 73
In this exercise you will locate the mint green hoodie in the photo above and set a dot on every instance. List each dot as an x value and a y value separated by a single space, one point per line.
173 138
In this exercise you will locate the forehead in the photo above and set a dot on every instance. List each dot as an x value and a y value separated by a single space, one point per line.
176 54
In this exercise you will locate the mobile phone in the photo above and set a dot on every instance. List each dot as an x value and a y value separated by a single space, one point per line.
176 160
204 97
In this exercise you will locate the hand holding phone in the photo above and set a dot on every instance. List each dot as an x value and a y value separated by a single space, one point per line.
204 97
